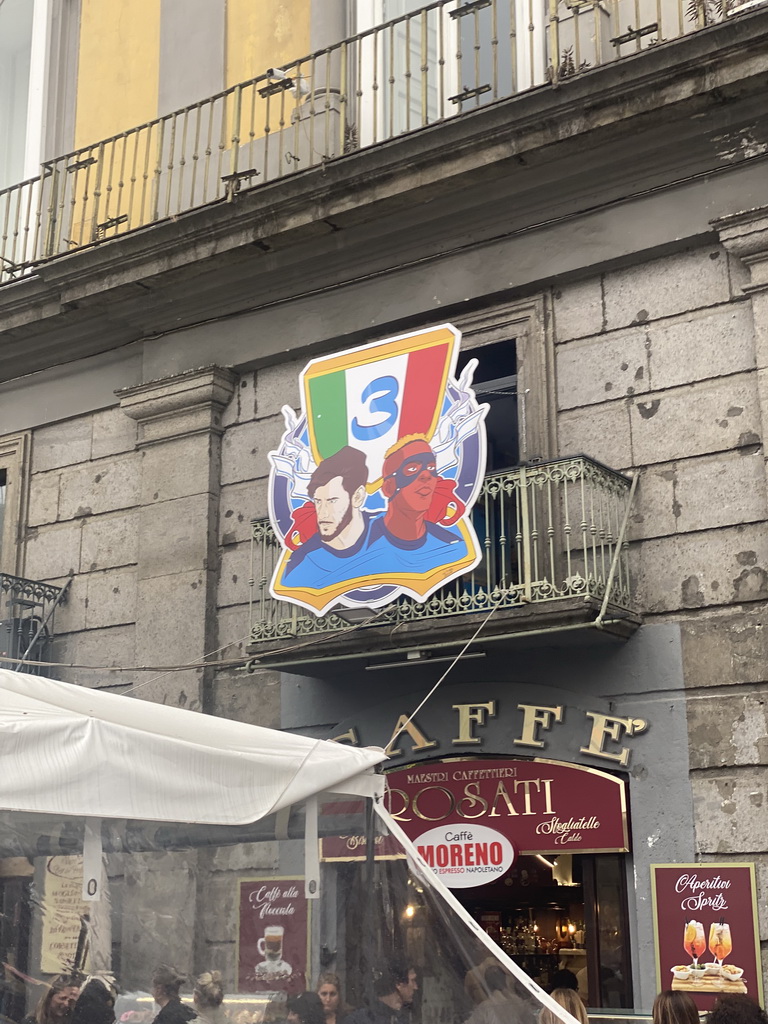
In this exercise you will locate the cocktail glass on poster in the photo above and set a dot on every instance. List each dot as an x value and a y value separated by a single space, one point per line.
720 944
694 941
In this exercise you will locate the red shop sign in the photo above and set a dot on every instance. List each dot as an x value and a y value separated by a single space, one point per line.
540 806
705 929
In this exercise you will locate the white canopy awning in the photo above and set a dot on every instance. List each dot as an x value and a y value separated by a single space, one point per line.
67 749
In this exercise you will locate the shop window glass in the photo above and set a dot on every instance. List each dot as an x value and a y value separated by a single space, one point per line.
15 55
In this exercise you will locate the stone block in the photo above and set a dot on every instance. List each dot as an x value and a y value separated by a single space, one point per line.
232 630
110 540
725 648
738 276
101 650
760 861
711 343
727 566
710 416
664 287
242 407
700 494
601 432
597 370
99 487
61 444
177 689
69 616
727 730
113 433
43 498
111 598
171 615
730 810
52 551
277 386
234 573
253 698
174 536
245 449
238 505
179 467
578 309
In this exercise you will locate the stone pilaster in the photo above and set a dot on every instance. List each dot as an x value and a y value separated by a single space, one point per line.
745 235
179 435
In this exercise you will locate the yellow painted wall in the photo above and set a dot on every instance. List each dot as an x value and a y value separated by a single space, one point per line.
263 34
118 70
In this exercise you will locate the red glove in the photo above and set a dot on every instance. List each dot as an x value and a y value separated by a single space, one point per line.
446 508
304 525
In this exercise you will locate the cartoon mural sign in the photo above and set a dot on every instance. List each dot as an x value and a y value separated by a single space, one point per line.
373 482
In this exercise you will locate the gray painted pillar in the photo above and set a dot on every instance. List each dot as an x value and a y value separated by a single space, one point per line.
192 48
328 23
179 437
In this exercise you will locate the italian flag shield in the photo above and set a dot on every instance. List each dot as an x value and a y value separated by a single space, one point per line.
371 397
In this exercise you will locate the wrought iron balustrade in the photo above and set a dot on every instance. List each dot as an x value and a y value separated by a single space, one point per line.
428 66
27 610
548 532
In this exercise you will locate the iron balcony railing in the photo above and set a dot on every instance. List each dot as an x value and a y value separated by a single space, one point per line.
27 611
548 532
447 58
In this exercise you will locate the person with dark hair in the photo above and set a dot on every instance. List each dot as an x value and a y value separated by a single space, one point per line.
166 983
95 1004
674 1008
564 979
305 1008
394 989
56 1003
332 528
736 1008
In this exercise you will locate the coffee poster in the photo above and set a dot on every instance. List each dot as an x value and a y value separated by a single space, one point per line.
706 930
273 935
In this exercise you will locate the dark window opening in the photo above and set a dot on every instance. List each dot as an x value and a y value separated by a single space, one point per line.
495 382
3 491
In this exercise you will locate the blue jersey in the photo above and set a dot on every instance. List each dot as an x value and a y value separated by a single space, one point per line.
318 565
439 546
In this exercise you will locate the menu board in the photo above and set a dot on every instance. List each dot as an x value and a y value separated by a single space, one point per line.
273 935
706 930
64 912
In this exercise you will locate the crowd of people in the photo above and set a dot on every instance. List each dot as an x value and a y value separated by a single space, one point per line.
92 1001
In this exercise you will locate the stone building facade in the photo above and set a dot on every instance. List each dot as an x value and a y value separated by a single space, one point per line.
614 229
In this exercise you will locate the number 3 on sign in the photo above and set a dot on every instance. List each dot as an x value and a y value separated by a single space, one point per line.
380 395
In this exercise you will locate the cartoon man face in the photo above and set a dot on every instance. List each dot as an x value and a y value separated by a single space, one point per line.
334 508
411 477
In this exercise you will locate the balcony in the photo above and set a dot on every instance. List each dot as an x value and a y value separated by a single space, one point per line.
27 611
555 559
428 67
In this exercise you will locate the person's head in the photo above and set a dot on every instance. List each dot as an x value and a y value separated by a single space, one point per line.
570 1001
565 979
396 982
95 1004
166 982
674 1008
410 475
208 992
329 990
736 1008
56 1004
495 978
305 1008
337 490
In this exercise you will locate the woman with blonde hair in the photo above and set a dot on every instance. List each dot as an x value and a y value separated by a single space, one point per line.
570 1000
207 997
57 1002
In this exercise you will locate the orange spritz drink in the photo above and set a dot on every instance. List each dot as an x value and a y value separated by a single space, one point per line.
720 944
693 940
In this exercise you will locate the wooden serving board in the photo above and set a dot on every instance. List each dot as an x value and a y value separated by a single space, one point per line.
709 985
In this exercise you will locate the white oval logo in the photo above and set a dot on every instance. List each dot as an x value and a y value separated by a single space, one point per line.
466 855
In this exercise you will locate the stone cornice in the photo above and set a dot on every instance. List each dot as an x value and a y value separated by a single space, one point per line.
745 235
178 406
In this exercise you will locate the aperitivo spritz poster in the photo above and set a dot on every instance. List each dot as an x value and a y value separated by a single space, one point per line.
706 930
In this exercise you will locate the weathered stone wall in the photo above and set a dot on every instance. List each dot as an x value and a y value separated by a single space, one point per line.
658 372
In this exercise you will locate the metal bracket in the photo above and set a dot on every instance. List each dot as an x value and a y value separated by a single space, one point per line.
274 87
113 222
474 5
469 94
634 33
78 165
